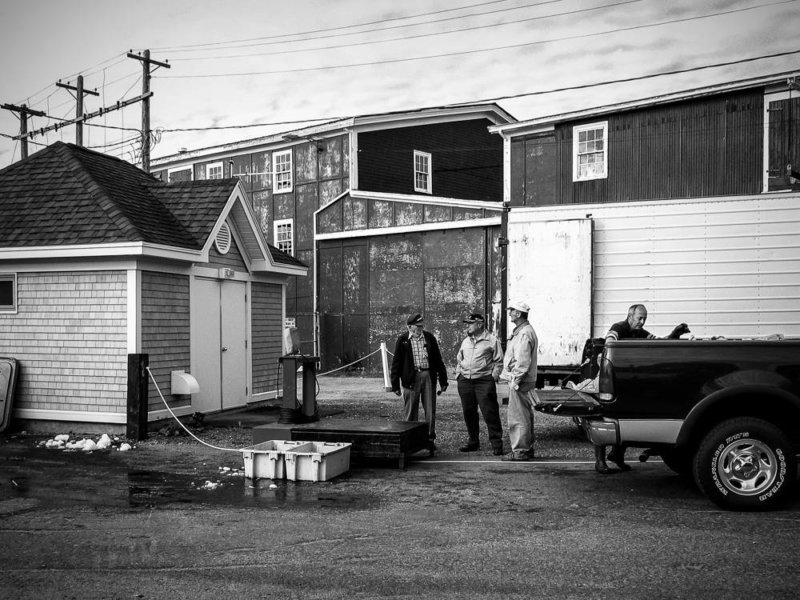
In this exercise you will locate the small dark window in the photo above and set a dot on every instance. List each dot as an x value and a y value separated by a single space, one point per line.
8 292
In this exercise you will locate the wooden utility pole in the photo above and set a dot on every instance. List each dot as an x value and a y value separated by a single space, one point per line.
23 111
79 94
146 62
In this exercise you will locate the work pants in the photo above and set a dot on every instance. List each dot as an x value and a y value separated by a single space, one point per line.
520 421
481 393
423 391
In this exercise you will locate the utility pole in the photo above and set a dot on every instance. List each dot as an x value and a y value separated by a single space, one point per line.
23 111
79 94
146 62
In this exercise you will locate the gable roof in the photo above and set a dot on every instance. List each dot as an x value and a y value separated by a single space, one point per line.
66 195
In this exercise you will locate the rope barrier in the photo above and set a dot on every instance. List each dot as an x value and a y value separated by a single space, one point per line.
348 365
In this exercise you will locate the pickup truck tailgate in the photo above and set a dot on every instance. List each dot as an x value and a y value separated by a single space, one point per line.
565 403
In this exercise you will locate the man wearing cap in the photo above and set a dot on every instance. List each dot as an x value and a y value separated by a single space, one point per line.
519 370
479 362
416 366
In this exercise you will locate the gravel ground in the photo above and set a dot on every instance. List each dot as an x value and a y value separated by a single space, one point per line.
365 399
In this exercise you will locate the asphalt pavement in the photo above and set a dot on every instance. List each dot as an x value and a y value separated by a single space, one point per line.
175 519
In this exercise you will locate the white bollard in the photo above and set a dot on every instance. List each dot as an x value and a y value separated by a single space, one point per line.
387 384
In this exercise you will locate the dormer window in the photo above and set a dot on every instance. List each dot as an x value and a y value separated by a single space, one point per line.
422 172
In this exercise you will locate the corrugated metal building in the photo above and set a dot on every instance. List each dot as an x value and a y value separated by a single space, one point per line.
688 203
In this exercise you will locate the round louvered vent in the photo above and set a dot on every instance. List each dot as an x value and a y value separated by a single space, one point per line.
223 241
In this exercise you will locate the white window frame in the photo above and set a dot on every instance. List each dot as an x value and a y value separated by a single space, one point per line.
178 170
12 308
577 153
769 97
286 170
427 160
281 242
217 165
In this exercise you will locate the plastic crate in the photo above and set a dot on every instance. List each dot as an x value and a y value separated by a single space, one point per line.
317 461
266 460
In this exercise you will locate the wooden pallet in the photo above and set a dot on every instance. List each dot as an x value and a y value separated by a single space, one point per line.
394 440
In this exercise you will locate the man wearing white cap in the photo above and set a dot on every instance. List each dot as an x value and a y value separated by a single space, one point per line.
519 370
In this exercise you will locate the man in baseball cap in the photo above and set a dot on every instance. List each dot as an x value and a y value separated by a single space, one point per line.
519 370
479 362
416 366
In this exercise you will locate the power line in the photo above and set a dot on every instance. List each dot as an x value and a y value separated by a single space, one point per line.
412 37
482 50
507 97
353 26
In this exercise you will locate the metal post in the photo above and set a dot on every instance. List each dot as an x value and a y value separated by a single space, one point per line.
138 397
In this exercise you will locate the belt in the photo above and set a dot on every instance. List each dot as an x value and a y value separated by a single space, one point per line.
418 370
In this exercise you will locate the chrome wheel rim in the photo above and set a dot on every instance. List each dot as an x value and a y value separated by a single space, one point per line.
747 467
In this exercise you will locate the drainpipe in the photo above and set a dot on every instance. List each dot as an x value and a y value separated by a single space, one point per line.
502 242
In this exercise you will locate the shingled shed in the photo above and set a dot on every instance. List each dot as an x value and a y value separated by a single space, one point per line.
99 261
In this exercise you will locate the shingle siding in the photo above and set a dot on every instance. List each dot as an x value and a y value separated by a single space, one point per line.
233 259
267 331
165 329
69 335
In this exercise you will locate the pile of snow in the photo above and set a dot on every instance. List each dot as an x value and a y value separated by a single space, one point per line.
63 442
231 472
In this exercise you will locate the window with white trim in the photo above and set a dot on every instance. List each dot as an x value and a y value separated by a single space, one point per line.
214 170
590 151
284 235
781 142
8 292
179 174
422 172
282 172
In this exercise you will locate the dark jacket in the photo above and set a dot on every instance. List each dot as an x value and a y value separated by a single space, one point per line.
403 362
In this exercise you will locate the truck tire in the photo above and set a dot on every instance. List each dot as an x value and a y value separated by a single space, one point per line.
745 464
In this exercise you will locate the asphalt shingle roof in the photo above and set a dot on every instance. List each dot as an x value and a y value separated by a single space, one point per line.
68 195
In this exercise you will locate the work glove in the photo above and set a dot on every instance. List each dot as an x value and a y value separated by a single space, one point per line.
679 331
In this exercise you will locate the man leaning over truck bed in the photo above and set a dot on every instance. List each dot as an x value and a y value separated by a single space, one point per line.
631 328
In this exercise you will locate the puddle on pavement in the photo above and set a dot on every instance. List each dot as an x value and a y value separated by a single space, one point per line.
152 489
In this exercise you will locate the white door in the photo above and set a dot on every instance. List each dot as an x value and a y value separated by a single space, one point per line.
233 349
219 344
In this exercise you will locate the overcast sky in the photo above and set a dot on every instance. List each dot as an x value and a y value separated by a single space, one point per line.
271 64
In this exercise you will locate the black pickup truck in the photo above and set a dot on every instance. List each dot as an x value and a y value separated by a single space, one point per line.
726 412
